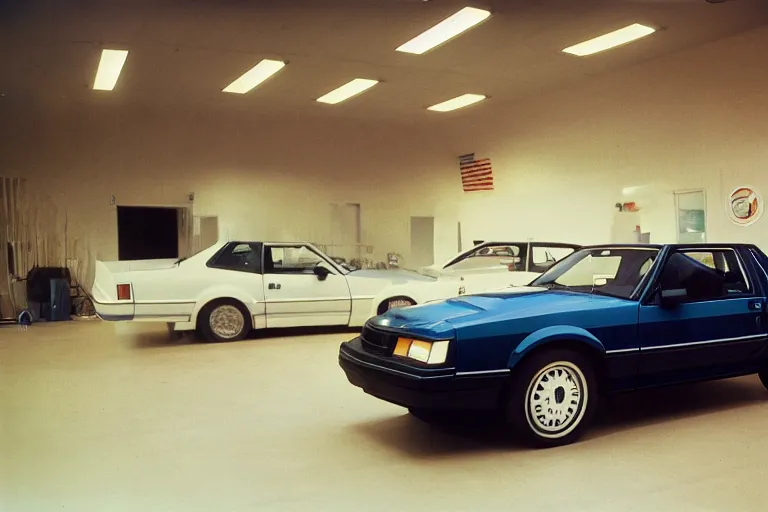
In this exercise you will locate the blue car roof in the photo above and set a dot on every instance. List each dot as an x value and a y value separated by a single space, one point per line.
661 246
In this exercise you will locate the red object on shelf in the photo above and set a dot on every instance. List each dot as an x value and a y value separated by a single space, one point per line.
629 207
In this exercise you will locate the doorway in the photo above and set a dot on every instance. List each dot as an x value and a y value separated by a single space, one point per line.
346 232
147 233
422 242
208 233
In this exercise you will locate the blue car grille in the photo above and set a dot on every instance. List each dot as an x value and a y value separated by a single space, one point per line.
378 342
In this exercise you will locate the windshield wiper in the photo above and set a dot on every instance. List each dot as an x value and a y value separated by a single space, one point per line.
595 291
553 285
558 286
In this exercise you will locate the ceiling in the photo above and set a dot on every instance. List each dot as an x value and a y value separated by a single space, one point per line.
183 52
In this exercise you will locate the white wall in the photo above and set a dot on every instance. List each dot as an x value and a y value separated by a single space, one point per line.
698 119
422 241
263 178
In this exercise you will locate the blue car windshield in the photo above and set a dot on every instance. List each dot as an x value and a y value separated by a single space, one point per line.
616 272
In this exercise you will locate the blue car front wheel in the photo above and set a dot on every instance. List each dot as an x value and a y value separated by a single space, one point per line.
552 397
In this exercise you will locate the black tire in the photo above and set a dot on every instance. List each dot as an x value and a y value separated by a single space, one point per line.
763 374
577 403
394 303
204 320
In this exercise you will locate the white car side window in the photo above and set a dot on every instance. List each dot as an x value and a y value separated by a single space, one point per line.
243 257
278 255
291 260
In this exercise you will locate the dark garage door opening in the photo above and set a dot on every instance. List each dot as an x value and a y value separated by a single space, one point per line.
145 233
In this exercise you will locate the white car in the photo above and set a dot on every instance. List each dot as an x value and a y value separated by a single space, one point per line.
496 265
232 287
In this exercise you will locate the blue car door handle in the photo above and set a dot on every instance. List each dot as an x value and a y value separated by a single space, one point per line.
756 305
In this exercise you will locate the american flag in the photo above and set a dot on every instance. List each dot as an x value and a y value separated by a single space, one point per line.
475 174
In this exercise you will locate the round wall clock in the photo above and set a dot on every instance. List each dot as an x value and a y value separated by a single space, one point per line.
745 206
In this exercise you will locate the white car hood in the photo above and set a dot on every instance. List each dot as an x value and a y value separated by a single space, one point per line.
437 272
432 271
391 275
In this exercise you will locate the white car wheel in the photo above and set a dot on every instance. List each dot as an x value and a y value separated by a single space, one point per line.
552 397
226 321
556 400
399 303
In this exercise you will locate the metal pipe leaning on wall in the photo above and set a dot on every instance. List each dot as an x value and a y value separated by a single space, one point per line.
34 232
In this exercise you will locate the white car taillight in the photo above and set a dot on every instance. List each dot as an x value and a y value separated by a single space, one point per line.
124 292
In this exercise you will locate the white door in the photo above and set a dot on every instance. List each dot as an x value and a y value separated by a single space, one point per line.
422 241
345 229
302 288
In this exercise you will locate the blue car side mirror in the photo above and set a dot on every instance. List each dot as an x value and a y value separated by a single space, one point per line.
673 297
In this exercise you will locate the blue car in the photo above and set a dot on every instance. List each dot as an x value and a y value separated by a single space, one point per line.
604 319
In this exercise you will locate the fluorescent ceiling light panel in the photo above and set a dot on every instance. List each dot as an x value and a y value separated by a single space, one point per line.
611 40
346 91
461 101
254 76
110 65
447 29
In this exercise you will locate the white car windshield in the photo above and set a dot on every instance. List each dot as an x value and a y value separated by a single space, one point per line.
491 257
606 271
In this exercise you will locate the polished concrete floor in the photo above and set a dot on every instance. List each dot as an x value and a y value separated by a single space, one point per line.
104 417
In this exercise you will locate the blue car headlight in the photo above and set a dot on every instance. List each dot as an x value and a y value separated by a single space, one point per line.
428 352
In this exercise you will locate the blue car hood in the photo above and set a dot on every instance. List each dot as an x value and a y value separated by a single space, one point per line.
439 319
430 320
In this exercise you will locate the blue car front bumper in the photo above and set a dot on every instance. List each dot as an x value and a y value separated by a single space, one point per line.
414 387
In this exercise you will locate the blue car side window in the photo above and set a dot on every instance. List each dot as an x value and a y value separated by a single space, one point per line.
705 274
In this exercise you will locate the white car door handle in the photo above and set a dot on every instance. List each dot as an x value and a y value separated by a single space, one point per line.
274 286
